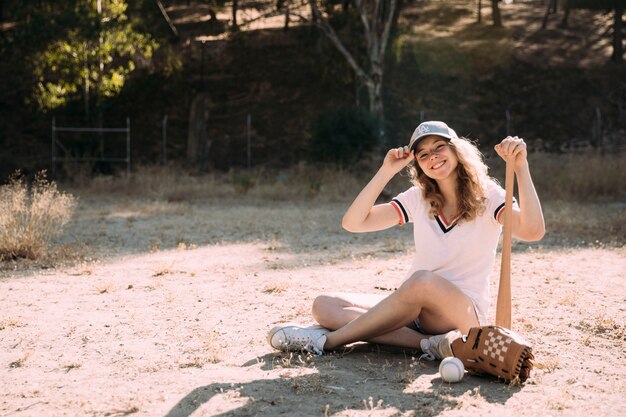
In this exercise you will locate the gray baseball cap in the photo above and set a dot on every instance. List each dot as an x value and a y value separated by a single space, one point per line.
431 128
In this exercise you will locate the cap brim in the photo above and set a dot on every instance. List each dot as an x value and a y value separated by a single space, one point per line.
416 140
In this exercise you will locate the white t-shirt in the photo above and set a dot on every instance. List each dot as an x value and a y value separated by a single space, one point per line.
463 253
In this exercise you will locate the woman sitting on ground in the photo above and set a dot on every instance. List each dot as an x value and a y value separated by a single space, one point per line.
456 210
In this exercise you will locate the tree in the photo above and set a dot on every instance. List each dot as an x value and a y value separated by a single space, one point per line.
91 58
617 6
550 8
377 18
495 13
618 44
234 27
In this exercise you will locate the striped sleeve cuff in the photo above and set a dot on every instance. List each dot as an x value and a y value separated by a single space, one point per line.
498 213
402 214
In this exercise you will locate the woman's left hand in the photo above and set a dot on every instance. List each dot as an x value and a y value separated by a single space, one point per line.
513 147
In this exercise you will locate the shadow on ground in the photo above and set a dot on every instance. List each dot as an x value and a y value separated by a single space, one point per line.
382 381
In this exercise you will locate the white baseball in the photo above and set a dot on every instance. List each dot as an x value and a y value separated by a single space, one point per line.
451 369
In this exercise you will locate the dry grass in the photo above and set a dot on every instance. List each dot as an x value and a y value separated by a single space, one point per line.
207 350
275 288
583 196
30 217
20 362
578 177
603 326
175 184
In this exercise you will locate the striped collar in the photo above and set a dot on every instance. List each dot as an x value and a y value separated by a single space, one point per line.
444 224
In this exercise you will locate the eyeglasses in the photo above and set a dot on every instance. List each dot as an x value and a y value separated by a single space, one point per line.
424 155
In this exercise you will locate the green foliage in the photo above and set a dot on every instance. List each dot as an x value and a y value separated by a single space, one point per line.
92 58
31 216
343 135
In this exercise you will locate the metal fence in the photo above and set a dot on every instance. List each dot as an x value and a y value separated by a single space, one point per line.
62 153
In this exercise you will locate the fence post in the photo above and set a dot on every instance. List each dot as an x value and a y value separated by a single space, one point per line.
165 139
54 122
128 146
598 129
249 122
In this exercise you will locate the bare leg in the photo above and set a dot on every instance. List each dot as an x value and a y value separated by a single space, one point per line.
439 304
335 310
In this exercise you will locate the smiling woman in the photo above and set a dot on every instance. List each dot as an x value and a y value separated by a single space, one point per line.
456 211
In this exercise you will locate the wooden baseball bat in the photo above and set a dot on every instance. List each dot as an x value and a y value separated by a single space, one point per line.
503 306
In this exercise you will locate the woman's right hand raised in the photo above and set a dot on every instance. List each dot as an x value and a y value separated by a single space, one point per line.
397 158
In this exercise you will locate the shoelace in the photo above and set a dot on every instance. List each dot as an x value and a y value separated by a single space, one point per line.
306 343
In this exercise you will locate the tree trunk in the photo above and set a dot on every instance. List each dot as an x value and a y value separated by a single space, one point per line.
374 91
374 85
377 23
198 143
479 11
565 20
286 7
234 26
345 7
495 12
618 49
551 8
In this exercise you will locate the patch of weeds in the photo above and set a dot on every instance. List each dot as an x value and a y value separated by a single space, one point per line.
164 270
275 288
549 364
104 289
412 369
20 362
31 215
370 406
161 272
276 266
81 272
195 362
154 246
9 323
294 359
570 299
182 245
603 326
314 383
71 366
208 352
122 412
243 182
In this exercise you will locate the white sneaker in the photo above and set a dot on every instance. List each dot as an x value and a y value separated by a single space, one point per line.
292 337
438 347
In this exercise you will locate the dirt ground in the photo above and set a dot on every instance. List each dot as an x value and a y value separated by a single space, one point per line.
167 314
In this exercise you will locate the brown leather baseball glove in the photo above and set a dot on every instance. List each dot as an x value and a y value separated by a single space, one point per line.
496 351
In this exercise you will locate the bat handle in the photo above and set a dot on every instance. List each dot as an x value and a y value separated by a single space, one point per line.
503 306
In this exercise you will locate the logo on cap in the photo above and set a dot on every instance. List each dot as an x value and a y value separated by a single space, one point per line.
423 129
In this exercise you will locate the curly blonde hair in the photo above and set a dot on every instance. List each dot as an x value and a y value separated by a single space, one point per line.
472 180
